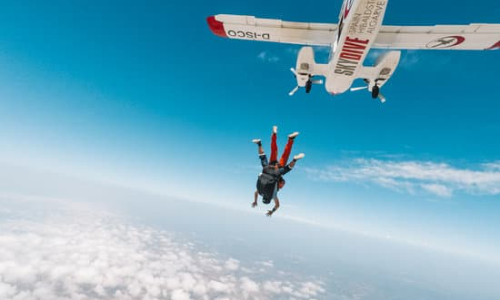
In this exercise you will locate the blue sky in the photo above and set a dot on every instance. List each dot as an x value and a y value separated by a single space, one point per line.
145 96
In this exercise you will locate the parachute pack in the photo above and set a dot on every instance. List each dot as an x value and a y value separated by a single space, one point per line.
266 184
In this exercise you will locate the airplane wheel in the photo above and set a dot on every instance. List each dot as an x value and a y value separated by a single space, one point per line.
375 92
308 86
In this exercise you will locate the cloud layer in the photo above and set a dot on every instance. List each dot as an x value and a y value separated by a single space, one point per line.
84 256
414 177
266 56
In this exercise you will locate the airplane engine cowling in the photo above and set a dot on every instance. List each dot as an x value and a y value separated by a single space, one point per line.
385 66
379 74
306 69
305 65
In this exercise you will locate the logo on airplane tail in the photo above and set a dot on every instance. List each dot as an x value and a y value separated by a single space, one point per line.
446 42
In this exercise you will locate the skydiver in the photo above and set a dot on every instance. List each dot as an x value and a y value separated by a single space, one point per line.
270 180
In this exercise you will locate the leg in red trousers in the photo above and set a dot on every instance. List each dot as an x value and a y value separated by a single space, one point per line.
286 153
274 146
288 149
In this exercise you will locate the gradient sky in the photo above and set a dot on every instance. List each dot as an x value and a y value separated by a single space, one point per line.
142 94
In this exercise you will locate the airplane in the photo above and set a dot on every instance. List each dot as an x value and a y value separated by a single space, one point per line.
359 29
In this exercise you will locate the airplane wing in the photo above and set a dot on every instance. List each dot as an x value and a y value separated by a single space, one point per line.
272 30
452 37
446 37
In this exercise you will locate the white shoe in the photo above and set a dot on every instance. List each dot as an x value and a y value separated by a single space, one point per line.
256 141
299 156
275 129
293 135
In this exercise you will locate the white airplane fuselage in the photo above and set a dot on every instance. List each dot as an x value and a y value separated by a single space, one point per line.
359 24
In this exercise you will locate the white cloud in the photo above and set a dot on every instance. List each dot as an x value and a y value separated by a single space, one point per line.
438 189
268 57
375 53
7 291
249 286
232 264
493 166
409 59
93 255
180 295
272 286
267 263
413 177
293 50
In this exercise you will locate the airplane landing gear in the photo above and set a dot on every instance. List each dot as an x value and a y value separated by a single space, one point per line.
308 86
304 80
375 91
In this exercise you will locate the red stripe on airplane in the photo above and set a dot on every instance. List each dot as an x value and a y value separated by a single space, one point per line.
217 27
347 10
496 46
460 40
348 7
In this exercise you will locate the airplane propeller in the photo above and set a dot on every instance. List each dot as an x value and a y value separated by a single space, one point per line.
358 88
293 91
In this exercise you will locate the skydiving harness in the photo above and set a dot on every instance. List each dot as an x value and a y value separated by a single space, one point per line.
267 183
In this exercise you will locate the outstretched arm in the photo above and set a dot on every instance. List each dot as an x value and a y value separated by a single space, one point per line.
255 197
290 166
286 168
275 208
